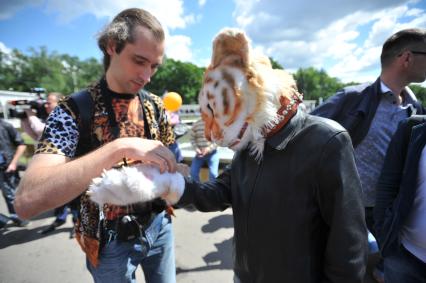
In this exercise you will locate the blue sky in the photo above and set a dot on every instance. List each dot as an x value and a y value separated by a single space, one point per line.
343 37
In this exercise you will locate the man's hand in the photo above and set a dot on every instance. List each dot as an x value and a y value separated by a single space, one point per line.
183 169
11 168
148 151
29 112
205 151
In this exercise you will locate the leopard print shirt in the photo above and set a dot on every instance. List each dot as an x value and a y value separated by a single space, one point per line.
61 136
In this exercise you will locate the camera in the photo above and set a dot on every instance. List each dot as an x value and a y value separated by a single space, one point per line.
17 107
128 228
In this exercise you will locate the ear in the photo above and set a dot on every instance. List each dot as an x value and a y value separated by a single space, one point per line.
233 45
110 47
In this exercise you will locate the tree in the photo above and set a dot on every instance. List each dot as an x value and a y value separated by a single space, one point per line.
180 77
275 64
420 92
315 84
40 68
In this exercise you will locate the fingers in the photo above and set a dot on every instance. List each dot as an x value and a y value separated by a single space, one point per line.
166 159
183 169
151 152
162 163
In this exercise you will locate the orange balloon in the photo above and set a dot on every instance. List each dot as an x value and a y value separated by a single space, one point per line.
172 101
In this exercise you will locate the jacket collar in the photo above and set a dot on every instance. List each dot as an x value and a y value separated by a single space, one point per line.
370 98
280 140
418 136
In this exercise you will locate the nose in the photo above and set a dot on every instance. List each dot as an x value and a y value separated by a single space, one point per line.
145 74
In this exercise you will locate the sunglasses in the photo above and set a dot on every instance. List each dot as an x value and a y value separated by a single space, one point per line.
418 52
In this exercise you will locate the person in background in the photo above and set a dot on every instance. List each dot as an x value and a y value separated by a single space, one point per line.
371 112
125 125
32 124
205 152
174 147
400 211
12 147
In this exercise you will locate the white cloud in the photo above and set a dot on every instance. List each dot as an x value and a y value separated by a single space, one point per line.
345 40
201 3
179 48
169 12
4 48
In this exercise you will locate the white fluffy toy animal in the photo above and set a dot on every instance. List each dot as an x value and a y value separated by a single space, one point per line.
136 183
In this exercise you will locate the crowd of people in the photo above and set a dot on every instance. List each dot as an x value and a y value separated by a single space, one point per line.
372 175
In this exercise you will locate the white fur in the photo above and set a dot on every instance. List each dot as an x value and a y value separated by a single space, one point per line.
139 183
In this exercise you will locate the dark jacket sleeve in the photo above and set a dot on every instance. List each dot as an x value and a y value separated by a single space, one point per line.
331 107
14 135
211 196
389 181
339 199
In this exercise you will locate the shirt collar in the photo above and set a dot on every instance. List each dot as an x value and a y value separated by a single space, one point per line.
409 97
384 88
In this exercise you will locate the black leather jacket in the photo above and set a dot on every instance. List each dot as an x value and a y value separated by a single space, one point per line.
298 215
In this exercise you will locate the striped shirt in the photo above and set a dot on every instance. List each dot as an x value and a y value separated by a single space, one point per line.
198 139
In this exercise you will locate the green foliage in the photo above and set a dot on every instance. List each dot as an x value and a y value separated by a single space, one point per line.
40 68
420 93
275 64
180 77
21 72
315 83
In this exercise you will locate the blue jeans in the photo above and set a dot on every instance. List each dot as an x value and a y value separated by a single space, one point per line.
404 267
212 160
61 212
174 147
154 251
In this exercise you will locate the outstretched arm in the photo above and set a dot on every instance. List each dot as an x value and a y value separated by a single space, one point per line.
210 196
52 179
18 153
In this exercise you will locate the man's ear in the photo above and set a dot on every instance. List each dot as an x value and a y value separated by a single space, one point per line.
110 47
233 45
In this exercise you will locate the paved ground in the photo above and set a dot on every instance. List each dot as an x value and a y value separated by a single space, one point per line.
203 251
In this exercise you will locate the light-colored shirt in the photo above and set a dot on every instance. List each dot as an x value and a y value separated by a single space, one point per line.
370 153
33 126
198 138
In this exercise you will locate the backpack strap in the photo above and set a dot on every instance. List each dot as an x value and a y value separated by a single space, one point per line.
84 104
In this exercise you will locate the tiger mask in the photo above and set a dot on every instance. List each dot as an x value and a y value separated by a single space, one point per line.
243 99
